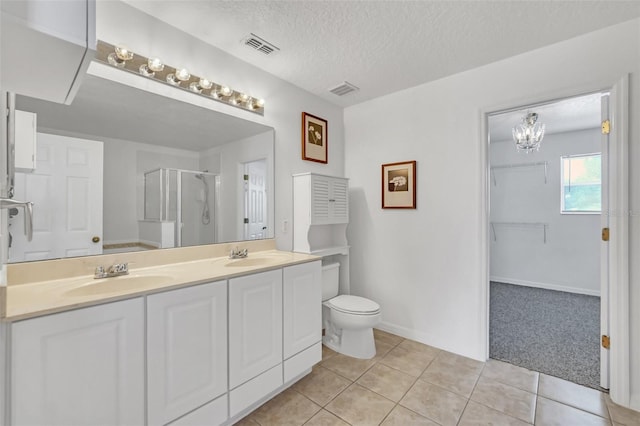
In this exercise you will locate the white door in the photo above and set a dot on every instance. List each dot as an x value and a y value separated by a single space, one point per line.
255 325
186 350
66 191
255 200
302 298
604 249
82 367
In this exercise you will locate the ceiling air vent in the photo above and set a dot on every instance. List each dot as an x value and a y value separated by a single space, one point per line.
260 44
344 88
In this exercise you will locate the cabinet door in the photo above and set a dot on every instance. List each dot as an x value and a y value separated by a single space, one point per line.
255 325
329 200
55 33
320 187
339 201
83 367
25 134
302 297
186 350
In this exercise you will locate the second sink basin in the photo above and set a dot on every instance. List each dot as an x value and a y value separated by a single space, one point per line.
249 261
258 259
118 284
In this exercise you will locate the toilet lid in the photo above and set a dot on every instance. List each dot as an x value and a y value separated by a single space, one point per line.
355 304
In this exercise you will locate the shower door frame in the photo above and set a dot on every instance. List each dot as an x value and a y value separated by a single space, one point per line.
164 199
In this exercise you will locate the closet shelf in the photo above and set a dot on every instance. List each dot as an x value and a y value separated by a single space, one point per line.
534 225
520 165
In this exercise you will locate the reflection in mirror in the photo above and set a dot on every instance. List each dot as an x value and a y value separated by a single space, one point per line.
122 169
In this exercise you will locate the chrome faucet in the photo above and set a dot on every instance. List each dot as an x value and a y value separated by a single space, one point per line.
112 271
238 254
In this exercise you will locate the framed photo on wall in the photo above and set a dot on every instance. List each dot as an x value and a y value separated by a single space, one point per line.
399 185
314 138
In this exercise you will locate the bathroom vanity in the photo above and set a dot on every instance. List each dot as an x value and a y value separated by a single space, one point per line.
202 340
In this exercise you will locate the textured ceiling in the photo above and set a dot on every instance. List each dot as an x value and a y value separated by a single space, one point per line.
383 46
566 115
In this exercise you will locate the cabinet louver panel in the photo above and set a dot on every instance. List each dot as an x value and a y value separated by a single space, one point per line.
320 199
340 194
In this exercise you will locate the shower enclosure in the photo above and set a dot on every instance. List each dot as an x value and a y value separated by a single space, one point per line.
186 198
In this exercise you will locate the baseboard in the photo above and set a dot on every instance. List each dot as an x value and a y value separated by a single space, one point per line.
634 401
427 339
546 286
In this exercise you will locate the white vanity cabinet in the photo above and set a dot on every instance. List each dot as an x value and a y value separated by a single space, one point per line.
187 353
255 337
56 36
302 320
79 367
203 354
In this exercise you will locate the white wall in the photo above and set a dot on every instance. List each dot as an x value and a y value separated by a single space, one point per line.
570 258
426 266
121 23
228 160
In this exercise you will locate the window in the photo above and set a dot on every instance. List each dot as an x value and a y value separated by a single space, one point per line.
581 184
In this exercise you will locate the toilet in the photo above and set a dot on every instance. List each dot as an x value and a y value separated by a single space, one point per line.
348 320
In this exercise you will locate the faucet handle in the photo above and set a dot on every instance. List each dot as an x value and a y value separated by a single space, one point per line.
99 272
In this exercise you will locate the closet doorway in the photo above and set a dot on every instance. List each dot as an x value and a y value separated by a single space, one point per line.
547 259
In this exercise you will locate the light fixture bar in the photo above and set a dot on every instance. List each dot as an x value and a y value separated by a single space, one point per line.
154 69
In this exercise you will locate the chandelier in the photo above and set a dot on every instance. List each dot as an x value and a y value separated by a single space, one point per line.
528 134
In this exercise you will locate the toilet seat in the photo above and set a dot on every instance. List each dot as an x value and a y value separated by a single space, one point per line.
354 305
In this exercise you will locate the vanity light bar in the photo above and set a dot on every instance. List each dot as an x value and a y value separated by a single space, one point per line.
180 78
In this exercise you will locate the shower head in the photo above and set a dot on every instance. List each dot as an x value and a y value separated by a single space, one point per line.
201 175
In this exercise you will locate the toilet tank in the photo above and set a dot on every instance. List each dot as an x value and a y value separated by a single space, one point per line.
330 280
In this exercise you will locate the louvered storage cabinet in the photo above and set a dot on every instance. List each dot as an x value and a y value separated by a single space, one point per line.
320 214
329 203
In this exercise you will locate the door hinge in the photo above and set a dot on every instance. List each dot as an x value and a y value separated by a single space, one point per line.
245 177
606 127
246 220
605 234
606 343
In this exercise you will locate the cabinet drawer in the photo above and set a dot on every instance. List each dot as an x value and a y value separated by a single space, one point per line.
255 389
213 413
301 362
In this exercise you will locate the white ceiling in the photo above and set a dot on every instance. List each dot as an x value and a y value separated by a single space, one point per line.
383 46
562 116
112 110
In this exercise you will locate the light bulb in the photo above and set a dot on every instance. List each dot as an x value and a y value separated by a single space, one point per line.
201 85
155 64
259 103
180 75
120 56
152 66
225 91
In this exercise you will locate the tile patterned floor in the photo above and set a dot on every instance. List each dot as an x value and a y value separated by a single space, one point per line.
408 383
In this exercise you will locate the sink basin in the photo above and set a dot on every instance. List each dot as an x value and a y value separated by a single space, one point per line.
118 284
259 260
248 261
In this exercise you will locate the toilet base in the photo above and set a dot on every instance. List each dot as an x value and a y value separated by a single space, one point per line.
354 343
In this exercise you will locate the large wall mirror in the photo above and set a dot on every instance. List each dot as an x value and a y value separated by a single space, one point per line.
123 169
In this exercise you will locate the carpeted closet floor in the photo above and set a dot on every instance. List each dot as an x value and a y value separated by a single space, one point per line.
553 332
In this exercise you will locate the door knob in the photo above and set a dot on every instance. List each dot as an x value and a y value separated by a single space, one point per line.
96 239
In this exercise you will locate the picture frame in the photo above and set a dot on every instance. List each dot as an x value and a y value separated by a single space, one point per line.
314 139
399 185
